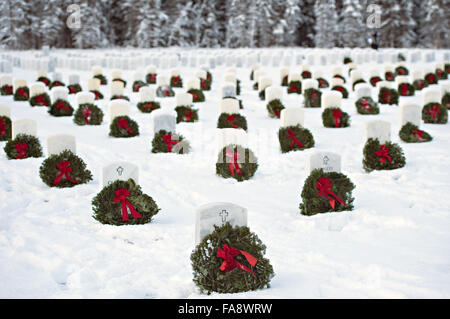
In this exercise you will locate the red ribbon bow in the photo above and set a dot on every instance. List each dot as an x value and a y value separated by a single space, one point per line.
337 115
339 88
389 76
151 78
87 112
136 87
57 83
230 119
386 97
40 100
418 134
420 84
122 123
203 84
293 88
45 80
232 159
431 78
277 113
167 139
2 127
166 92
434 111
8 89
121 195
291 135
64 170
71 89
404 89
383 153
62 106
229 263
323 187
22 149
188 115
97 94
22 92
365 104
148 106
175 80
375 80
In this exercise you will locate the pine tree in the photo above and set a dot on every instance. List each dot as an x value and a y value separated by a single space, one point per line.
326 21
436 26
351 28
183 31
208 30
149 31
291 16
90 34
307 20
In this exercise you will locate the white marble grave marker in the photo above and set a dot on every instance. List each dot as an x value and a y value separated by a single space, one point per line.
162 120
118 108
25 126
58 143
410 113
328 161
119 171
230 106
378 129
292 116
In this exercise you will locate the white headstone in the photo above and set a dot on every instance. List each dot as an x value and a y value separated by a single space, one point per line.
118 107
328 161
217 214
146 94
431 95
163 80
378 129
37 88
85 98
331 99
184 99
310 84
193 84
228 90
230 106
292 116
26 126
119 171
163 121
93 84
273 93
227 136
410 113
116 88
363 90
5 111
60 92
58 143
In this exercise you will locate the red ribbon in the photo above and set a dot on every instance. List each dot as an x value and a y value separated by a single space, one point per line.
122 123
375 80
121 195
339 88
337 115
2 127
166 92
203 84
97 94
404 89
230 119
40 100
64 170
229 263
8 89
431 78
167 139
136 87
323 187
389 76
232 159
62 106
434 111
420 84
151 78
45 80
365 104
383 153
418 134
439 73
293 88
175 80
71 89
291 135
87 112
386 97
57 83
22 149
277 113
401 71
148 106
188 115
21 91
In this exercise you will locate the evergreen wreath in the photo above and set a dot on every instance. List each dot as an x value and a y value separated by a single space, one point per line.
347 60
164 91
235 161
357 82
137 85
323 84
251 75
431 78
88 114
234 120
123 203
401 70
420 84
262 95
186 113
446 100
312 98
209 77
148 107
306 75
389 76
22 94
123 126
295 87
388 96
238 87
410 133
61 108
55 84
64 170
295 138
231 260
168 142
176 81
102 79
6 90
205 84
120 97
340 77
197 95
334 117
385 156
447 68
406 89
255 86
74 88
121 80
98 94
441 74
150 78
40 100
284 81
341 89
366 105
374 80
326 192
5 128
274 108
23 146
44 80
434 113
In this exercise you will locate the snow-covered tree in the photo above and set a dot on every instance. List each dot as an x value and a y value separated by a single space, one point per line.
326 22
352 28
397 25
436 24
183 31
90 34
149 33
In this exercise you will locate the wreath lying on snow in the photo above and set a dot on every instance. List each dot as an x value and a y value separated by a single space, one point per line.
323 84
98 94
406 89
186 113
74 88
366 105
385 156
441 74
40 100
389 76
137 85
22 94
401 70
55 84
148 107
5 128
164 91
334 117
388 96
123 203
150 78
44 80
420 84
446 100
295 138
235 161
205 84
374 80
64 170
234 120
123 126
176 81
231 260
197 95
341 89
88 114
326 192
275 107
6 90
312 98
410 133
23 146
431 78
168 142
434 113
306 75
61 108
284 81
295 87
102 79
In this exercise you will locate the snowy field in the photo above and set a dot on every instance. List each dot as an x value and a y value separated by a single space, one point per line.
394 244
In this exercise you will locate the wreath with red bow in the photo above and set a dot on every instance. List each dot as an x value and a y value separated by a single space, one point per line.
235 161
313 98
23 146
102 79
6 90
22 94
5 128
446 100
295 87
123 126
406 89
385 156
55 84
61 108
148 107
274 108
323 84
366 105
164 91
197 95
295 138
169 142
341 89
411 133
176 81
150 78
388 96
137 85
40 100
401 70
434 113
374 80
98 94
88 114
74 88
420 84
44 80
186 113
334 117
234 120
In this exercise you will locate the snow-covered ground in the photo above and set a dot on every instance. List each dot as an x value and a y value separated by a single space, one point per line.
394 244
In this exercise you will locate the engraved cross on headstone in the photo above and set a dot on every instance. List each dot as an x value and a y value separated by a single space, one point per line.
120 170
224 215
325 160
